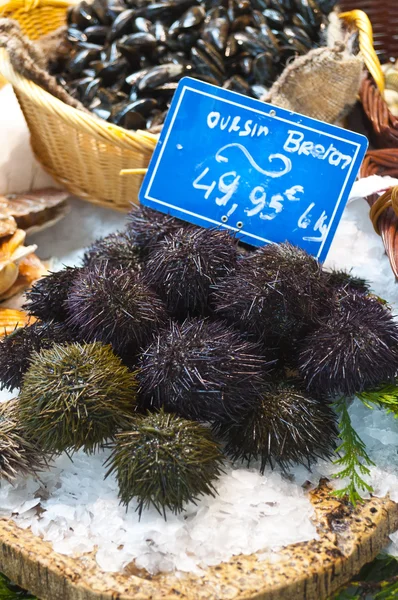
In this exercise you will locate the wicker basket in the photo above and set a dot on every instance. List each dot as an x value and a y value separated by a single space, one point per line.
381 38
384 162
82 152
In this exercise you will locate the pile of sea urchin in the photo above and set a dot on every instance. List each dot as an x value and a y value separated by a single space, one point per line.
178 349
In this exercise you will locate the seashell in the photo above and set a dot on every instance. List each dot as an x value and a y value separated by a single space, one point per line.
8 276
31 268
11 319
36 210
274 18
8 225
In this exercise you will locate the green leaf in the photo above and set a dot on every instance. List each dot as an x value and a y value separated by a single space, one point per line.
377 580
9 591
354 460
384 397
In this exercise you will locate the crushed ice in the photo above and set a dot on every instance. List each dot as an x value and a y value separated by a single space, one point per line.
79 511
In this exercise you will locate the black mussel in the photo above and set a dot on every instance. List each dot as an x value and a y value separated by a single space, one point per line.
284 6
81 85
206 78
187 39
161 11
274 18
261 4
144 106
244 7
153 119
250 43
143 25
122 25
159 75
193 17
298 21
101 10
107 97
232 48
102 112
134 78
232 10
132 55
266 37
81 60
293 32
82 15
264 68
161 32
240 23
164 91
91 90
89 46
89 73
96 34
97 66
212 53
126 117
216 32
218 12
327 6
204 65
111 52
238 84
143 42
113 71
74 34
298 46
246 66
311 12
258 91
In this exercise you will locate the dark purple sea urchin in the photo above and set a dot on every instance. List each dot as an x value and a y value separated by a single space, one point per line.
46 298
354 348
186 263
285 426
147 227
200 370
17 348
165 461
117 249
115 306
274 294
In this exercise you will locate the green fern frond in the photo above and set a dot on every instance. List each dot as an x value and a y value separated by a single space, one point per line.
385 397
353 458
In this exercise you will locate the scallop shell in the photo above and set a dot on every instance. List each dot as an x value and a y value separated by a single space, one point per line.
11 319
34 211
31 268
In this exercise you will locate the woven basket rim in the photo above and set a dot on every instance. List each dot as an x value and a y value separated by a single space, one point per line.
101 130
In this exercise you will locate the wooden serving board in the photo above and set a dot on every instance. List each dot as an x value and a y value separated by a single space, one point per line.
312 570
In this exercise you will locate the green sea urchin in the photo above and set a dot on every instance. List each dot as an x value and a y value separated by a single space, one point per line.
355 348
200 370
186 263
165 461
17 348
46 298
286 426
117 249
18 456
75 396
115 306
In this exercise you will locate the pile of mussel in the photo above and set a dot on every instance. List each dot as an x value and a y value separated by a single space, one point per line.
127 56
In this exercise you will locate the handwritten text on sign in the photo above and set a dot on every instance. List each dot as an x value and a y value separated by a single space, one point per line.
271 175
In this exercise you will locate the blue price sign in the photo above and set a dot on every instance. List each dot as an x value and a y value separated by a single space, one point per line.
269 174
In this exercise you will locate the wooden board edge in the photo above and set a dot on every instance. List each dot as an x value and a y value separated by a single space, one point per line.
348 538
